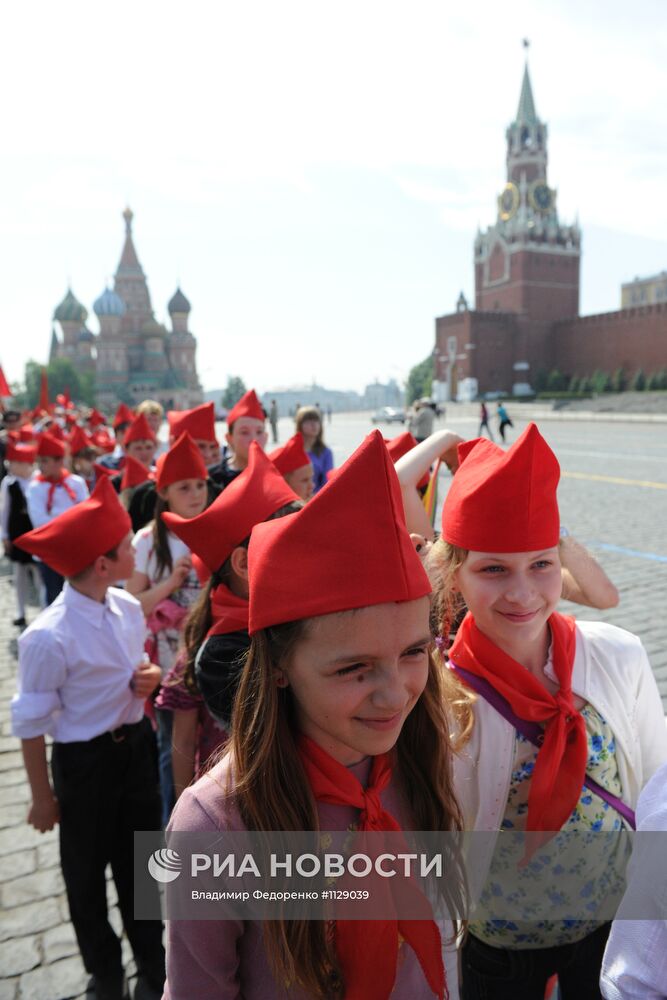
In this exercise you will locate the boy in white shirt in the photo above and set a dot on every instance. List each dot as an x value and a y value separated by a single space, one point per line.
83 679
15 521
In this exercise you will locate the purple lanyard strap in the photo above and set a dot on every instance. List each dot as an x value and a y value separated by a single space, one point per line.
535 734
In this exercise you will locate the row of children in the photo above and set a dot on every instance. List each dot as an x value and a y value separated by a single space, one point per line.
311 647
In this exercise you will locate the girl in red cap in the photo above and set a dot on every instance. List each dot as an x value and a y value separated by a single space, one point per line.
216 631
568 727
164 580
339 724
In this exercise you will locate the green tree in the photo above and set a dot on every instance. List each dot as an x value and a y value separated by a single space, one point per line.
574 384
62 375
585 384
600 381
420 380
556 382
653 382
234 389
662 378
619 381
638 383
541 380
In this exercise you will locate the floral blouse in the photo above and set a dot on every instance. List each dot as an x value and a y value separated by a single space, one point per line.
559 874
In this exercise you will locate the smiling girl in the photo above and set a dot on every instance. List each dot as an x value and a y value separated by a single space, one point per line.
339 723
568 723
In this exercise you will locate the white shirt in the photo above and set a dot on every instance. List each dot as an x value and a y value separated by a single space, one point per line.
635 961
4 501
38 493
146 561
76 661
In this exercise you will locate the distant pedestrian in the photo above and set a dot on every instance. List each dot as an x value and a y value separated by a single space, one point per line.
421 422
329 413
503 420
273 420
484 421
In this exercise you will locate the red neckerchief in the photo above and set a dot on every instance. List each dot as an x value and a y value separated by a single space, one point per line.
56 481
368 949
230 613
560 767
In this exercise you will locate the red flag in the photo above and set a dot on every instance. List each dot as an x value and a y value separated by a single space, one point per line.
44 392
4 387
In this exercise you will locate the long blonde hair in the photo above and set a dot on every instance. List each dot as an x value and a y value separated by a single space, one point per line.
272 791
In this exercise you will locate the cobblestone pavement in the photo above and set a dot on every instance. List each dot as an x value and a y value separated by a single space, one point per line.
613 498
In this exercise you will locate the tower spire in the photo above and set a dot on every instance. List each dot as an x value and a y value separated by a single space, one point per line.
526 114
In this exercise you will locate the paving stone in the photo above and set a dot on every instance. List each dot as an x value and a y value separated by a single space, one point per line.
59 942
14 865
13 776
12 815
58 981
48 855
29 919
28 888
9 760
9 989
12 794
19 956
23 838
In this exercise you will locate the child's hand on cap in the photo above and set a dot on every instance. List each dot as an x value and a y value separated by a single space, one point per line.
145 679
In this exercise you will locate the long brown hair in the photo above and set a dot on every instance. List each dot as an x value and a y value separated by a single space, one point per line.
447 611
311 413
160 535
272 792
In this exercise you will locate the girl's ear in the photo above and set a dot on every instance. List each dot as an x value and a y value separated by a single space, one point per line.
162 493
239 559
281 679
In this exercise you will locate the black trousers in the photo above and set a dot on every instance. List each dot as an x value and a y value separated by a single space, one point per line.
53 582
522 973
106 790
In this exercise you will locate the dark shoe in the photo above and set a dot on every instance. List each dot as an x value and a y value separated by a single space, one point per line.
113 986
20 622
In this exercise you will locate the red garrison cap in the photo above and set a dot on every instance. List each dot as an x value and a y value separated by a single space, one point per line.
26 433
124 415
182 461
347 548
50 447
253 496
247 406
21 452
139 430
199 422
56 431
134 473
96 419
73 540
103 440
290 456
504 501
400 446
78 440
102 470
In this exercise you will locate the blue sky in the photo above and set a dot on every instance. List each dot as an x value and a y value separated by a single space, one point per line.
314 174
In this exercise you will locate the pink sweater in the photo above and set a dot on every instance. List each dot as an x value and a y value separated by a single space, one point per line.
225 960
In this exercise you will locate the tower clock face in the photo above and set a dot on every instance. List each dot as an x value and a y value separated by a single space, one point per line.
541 196
508 202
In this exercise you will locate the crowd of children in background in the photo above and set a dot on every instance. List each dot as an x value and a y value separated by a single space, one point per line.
239 640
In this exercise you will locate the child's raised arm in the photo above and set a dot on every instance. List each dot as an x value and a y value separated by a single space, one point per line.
411 467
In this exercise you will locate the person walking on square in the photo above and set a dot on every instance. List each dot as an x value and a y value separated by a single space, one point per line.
484 421
273 420
83 679
51 492
503 421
